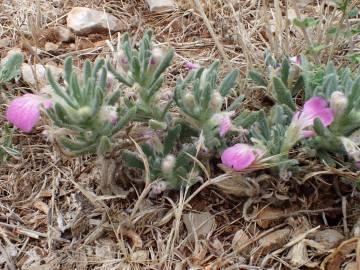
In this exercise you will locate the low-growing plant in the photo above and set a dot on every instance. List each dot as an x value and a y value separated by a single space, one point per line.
173 167
143 70
201 103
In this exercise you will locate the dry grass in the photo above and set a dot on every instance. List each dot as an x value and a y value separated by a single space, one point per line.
50 214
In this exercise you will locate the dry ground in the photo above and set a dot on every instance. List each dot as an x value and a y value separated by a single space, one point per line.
50 217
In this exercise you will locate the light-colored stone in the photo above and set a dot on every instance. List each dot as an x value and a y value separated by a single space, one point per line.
51 47
37 73
329 238
64 34
83 21
161 5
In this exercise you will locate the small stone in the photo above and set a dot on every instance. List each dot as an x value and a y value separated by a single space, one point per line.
269 217
161 5
32 73
64 34
329 238
51 47
27 73
83 21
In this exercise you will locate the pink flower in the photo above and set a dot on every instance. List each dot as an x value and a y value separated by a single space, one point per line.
316 107
190 65
357 164
24 112
240 156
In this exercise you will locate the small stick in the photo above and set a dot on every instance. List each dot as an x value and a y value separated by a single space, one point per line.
30 233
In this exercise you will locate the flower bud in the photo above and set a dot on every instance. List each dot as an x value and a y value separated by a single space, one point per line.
157 125
84 113
338 103
189 100
123 61
216 102
157 189
108 114
168 164
157 55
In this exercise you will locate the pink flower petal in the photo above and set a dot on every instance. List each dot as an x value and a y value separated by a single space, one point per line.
317 107
190 65
238 157
357 164
23 112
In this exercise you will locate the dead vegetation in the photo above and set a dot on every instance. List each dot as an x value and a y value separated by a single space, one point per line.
51 216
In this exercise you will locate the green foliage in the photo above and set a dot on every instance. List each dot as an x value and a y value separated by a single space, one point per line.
11 68
174 169
143 70
6 147
86 109
200 100
305 22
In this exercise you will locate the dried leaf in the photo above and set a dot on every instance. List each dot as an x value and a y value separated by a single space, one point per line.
239 239
199 224
269 217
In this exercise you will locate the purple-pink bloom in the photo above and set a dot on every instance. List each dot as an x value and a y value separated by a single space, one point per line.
191 65
240 156
316 107
24 112
357 164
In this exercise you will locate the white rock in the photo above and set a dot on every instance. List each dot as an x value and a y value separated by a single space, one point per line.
161 5
51 47
85 21
32 73
64 34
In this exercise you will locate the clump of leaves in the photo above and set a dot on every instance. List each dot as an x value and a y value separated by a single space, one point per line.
86 109
200 99
11 68
166 163
142 70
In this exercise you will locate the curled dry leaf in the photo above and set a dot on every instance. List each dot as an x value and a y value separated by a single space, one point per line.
240 238
239 185
269 217
337 255
271 242
199 224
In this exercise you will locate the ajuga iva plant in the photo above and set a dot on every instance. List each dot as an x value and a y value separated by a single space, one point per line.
86 109
201 99
142 70
330 111
173 167
10 69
